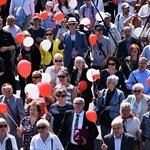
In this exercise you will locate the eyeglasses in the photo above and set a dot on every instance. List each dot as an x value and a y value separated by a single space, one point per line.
61 95
58 61
32 109
3 126
111 64
124 110
61 76
49 34
109 82
133 51
78 104
137 91
86 0
35 77
71 24
41 127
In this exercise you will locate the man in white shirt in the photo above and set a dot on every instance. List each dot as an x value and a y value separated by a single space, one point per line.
118 140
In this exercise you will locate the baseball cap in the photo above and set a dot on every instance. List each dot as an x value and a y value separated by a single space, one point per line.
107 15
99 27
49 3
125 5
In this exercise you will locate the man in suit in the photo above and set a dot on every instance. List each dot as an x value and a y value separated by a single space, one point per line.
74 42
15 109
118 140
87 131
125 44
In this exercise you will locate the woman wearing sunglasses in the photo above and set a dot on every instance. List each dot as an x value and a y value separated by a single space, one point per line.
112 69
64 79
47 56
7 141
58 109
28 127
45 139
138 100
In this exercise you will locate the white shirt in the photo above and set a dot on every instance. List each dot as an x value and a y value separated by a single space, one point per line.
80 123
38 144
13 141
117 143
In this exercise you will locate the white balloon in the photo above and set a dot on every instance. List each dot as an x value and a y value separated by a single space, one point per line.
32 91
28 41
98 17
46 77
137 31
85 21
73 4
89 74
46 45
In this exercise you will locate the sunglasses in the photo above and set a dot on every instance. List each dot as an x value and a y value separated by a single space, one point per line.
41 127
71 23
61 76
3 126
35 77
111 64
49 34
58 61
137 91
61 95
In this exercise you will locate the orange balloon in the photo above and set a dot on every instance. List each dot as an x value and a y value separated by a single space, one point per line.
44 88
59 16
44 15
20 37
148 81
3 108
82 86
92 39
24 68
2 2
91 115
37 14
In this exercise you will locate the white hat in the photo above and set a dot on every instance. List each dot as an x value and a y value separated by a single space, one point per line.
125 5
72 20
49 3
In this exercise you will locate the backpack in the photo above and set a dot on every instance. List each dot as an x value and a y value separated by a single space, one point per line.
92 10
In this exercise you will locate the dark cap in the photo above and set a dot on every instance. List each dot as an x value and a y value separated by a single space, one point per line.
99 27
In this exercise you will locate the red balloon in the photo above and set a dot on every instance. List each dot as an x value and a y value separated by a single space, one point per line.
148 81
44 88
24 68
91 115
3 108
20 37
44 15
115 2
2 2
37 14
92 39
59 16
82 86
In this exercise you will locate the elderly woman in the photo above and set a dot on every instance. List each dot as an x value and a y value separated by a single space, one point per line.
138 100
45 139
79 74
131 124
108 103
28 127
64 79
58 109
55 68
7 141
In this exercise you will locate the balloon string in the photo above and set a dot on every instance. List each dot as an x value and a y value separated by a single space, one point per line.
12 120
25 81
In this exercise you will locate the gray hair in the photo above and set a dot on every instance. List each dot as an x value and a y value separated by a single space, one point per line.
43 122
138 86
82 60
114 79
79 99
116 121
125 104
143 58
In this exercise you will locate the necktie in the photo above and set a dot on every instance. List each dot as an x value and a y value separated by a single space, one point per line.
124 125
76 122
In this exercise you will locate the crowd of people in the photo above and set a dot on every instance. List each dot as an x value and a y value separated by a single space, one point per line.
121 97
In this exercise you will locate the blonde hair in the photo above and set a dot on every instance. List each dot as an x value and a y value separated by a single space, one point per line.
3 120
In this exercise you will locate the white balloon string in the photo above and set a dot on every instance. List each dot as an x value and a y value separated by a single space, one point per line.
12 120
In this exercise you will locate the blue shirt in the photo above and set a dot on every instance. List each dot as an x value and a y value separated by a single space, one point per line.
141 77
128 44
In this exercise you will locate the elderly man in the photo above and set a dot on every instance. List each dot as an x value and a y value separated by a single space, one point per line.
15 108
138 100
118 140
140 75
74 42
75 122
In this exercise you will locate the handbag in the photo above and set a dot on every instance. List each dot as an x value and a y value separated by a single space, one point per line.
87 57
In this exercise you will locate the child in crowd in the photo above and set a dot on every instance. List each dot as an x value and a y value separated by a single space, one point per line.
63 28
